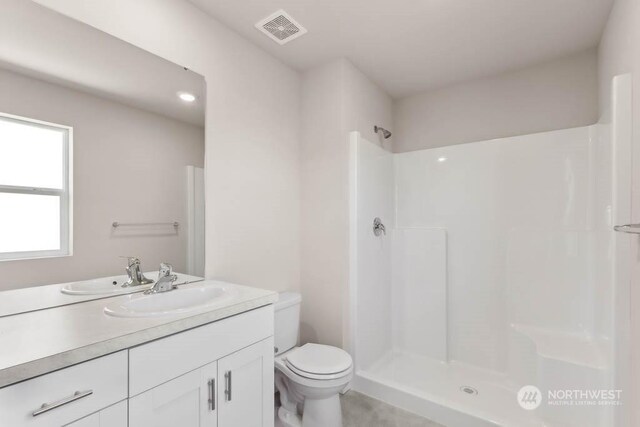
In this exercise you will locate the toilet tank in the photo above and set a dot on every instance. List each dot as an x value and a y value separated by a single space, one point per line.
287 321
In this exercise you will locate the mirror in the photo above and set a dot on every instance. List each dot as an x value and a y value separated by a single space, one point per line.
101 158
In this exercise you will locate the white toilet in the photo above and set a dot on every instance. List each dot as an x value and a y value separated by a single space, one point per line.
309 378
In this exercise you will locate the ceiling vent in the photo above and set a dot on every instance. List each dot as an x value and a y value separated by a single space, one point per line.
281 27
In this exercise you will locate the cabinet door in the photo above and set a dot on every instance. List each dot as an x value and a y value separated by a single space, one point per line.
186 401
113 416
245 388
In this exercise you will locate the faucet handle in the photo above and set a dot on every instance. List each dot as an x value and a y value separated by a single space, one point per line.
166 270
164 284
131 260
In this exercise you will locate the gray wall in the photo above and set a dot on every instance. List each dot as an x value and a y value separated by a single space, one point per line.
550 96
128 165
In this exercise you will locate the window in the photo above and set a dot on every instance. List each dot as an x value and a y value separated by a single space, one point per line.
35 196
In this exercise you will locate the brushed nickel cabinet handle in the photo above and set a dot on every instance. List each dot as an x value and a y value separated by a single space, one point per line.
212 394
227 390
46 407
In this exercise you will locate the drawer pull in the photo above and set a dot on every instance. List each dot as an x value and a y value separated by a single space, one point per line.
212 395
46 407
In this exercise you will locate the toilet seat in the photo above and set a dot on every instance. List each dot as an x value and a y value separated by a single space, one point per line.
319 362
320 377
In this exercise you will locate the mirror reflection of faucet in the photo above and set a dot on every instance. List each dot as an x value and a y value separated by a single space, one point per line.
134 273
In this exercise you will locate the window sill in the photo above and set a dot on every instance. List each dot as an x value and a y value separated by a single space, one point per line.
30 256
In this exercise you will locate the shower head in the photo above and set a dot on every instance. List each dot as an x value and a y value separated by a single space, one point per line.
385 132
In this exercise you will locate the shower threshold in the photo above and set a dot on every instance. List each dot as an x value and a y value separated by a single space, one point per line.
453 394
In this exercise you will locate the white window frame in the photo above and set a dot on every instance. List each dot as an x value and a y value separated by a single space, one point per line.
65 194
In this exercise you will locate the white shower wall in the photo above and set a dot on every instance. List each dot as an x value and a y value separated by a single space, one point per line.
372 195
419 292
516 215
500 268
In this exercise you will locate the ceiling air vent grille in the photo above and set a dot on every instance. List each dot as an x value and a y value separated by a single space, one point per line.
281 27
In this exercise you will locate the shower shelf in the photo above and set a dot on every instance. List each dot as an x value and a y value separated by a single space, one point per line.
574 348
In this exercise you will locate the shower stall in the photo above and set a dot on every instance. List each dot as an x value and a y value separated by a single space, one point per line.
498 268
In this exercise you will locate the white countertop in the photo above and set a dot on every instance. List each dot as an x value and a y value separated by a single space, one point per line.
42 341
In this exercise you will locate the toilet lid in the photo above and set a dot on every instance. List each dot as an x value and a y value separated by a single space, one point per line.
319 359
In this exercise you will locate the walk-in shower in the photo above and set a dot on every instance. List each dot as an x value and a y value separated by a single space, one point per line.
499 269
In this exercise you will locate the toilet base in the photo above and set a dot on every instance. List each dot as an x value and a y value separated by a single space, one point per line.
317 413
288 419
322 412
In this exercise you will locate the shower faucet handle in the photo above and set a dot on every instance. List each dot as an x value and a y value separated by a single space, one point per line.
378 227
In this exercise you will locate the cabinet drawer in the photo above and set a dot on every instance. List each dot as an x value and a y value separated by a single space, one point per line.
162 360
68 394
113 416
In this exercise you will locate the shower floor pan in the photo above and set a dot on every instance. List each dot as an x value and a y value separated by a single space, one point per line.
453 394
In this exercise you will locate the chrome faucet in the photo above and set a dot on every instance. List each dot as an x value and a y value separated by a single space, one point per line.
165 281
136 278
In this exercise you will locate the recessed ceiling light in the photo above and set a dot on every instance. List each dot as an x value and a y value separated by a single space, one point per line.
186 96
442 159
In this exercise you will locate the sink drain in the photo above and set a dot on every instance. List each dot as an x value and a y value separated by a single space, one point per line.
468 390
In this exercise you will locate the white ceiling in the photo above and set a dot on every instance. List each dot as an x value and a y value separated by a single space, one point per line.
44 44
408 46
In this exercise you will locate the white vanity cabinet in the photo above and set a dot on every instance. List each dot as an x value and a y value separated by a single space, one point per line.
219 374
235 391
68 395
187 401
245 388
113 416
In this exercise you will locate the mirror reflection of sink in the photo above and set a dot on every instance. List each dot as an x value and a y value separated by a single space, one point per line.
113 285
104 285
178 301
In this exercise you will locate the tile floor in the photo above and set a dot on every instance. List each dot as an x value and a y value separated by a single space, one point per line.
359 410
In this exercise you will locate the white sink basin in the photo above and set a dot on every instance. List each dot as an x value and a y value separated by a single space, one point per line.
178 301
113 285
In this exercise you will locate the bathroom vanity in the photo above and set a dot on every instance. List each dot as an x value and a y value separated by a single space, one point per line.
76 365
